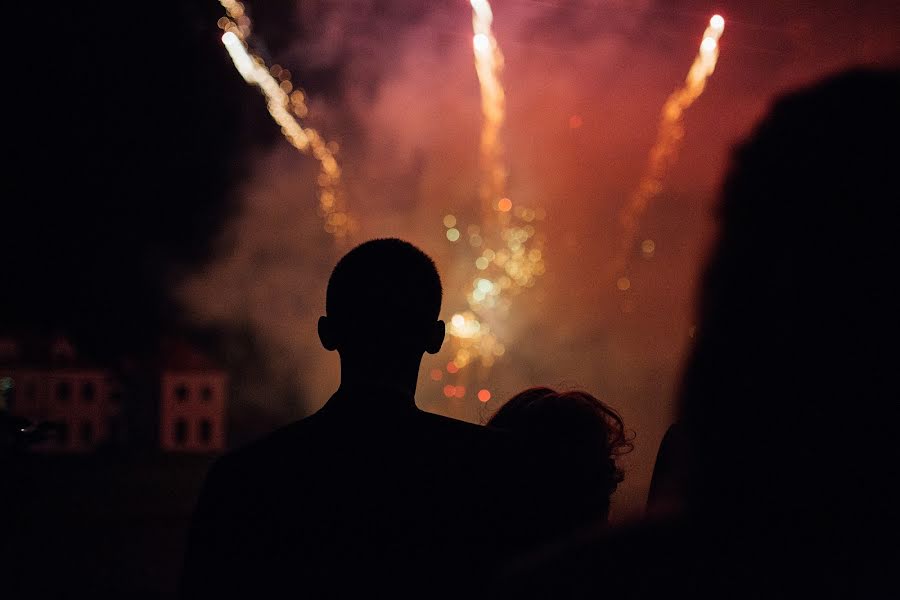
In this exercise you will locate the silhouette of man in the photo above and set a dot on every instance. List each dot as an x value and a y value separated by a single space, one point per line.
368 497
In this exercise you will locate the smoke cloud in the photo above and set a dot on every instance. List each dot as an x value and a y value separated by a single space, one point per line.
394 84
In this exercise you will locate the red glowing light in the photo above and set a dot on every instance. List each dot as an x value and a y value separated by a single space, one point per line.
575 121
451 367
504 205
436 374
484 395
449 390
460 391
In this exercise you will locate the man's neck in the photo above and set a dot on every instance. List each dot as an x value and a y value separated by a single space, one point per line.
362 377
373 399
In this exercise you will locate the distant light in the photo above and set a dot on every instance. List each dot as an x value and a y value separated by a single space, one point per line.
623 283
451 367
458 321
482 263
717 22
460 391
504 205
453 234
437 374
481 43
648 248
484 395
449 221
485 286
708 44
575 121
449 390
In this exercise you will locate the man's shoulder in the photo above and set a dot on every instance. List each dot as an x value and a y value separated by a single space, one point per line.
447 430
456 426
269 451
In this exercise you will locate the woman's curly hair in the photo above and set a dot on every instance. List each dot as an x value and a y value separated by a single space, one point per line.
578 437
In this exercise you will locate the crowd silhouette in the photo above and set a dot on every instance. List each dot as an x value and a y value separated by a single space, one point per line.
779 479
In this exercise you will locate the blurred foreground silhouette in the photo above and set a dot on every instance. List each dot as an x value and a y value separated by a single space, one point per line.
789 403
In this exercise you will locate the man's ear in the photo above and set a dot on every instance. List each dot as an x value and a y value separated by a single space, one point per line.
327 335
435 337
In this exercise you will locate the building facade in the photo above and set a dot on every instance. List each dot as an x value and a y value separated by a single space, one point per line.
85 406
192 410
80 400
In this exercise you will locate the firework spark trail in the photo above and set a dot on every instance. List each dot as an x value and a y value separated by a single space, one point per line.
509 257
287 105
488 65
671 132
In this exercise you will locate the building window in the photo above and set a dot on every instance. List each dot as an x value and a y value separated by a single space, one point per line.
205 431
181 431
206 394
87 433
88 391
63 391
182 393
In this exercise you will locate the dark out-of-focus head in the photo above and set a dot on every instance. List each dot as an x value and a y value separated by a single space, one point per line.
384 295
573 441
790 394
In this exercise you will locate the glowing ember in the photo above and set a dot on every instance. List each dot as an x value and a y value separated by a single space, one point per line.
671 131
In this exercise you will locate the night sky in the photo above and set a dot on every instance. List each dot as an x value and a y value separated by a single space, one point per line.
151 193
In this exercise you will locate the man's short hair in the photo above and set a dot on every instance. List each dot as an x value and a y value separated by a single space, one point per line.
384 286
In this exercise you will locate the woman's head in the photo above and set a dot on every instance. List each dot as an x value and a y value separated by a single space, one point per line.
572 443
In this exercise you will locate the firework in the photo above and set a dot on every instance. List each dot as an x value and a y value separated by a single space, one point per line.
507 251
665 150
488 65
287 105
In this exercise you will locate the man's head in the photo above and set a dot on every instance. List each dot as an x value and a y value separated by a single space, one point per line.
383 296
